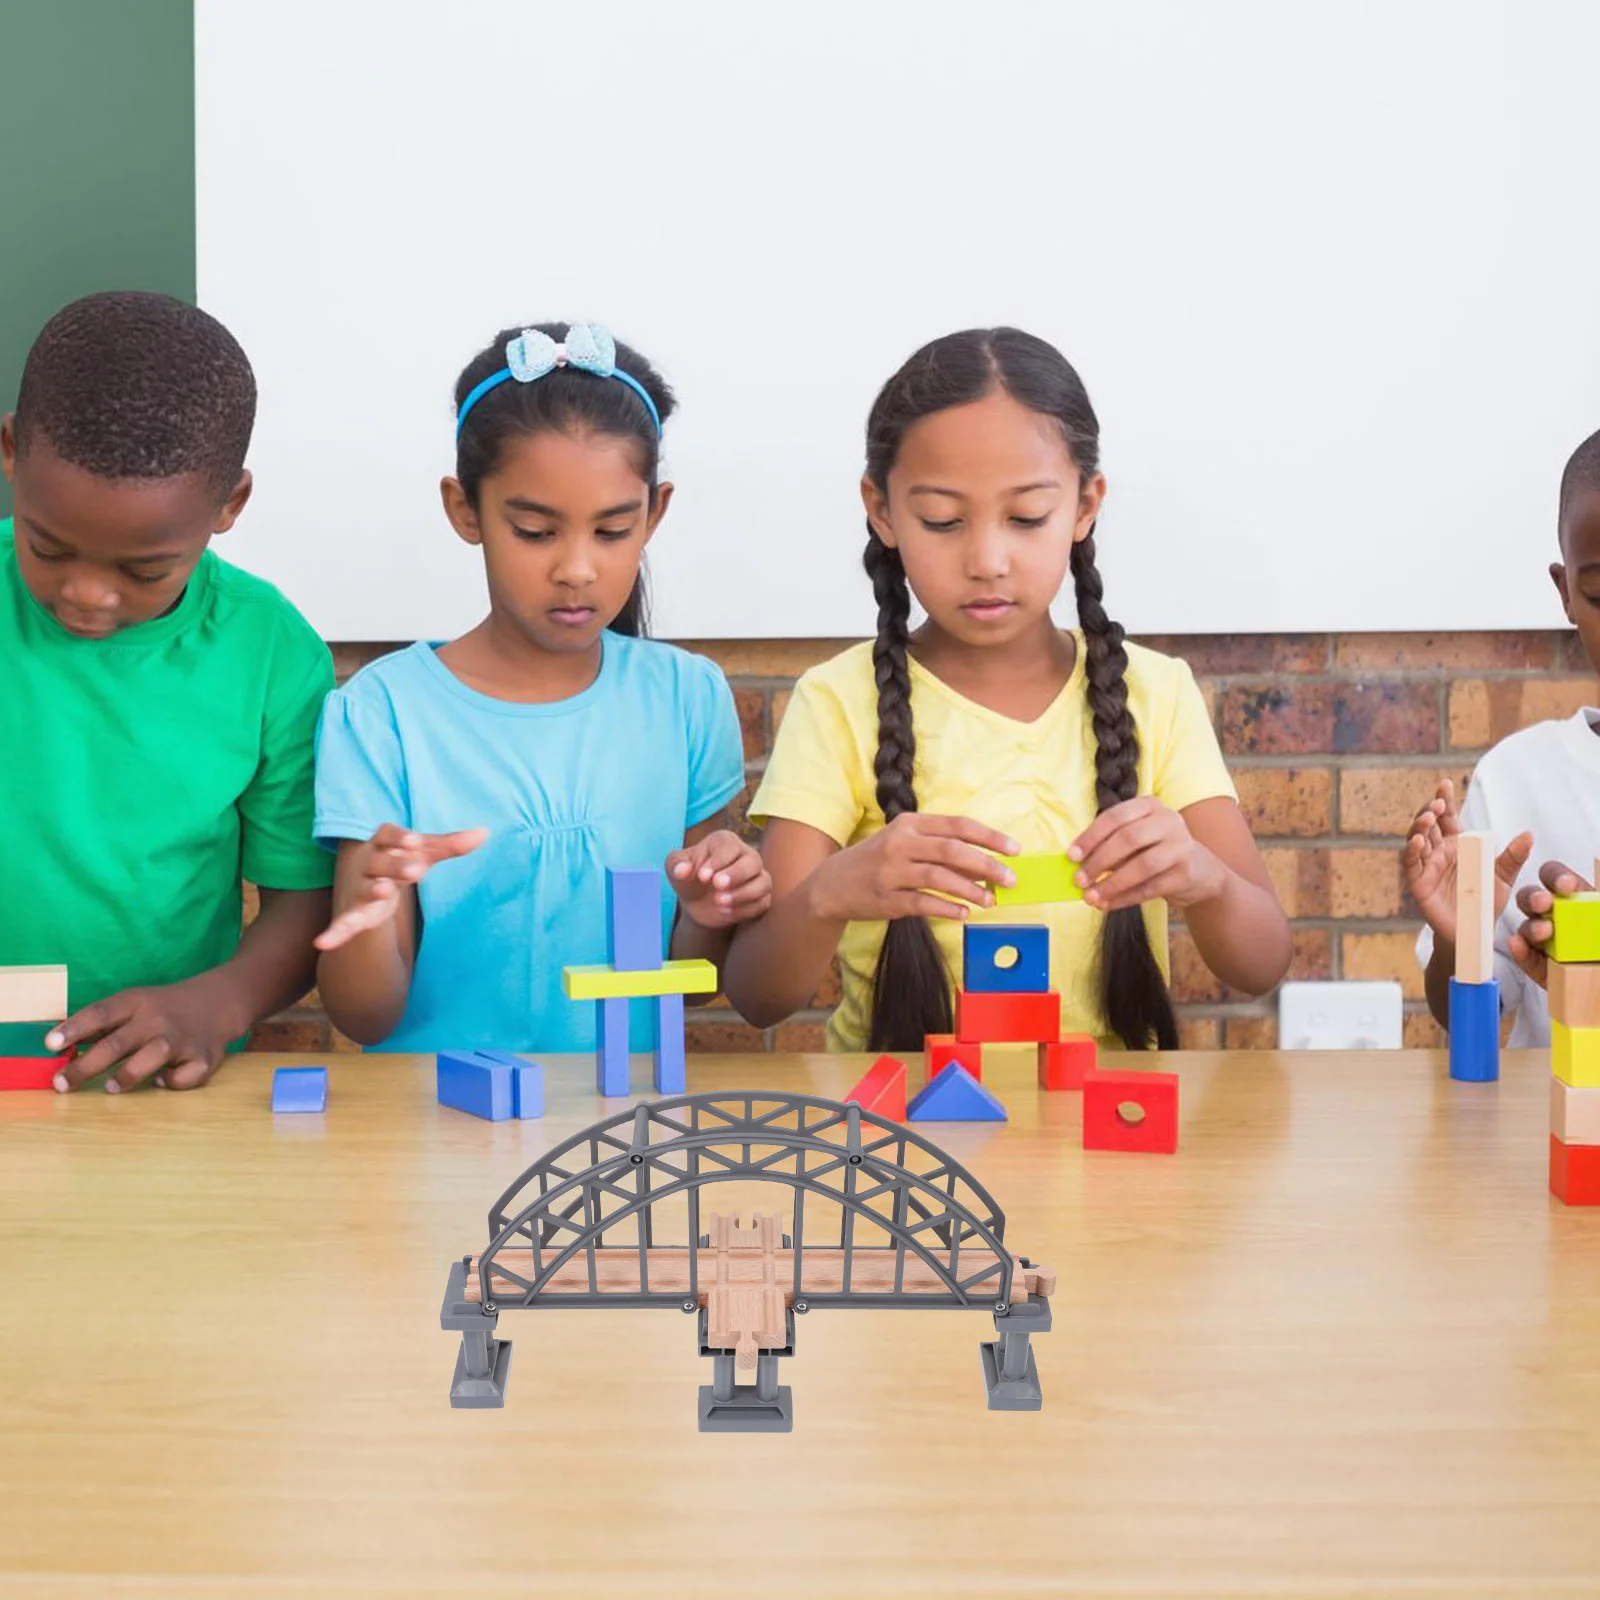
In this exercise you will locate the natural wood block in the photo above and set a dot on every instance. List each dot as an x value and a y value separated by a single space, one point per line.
27 993
1474 907
1575 1055
1577 928
1574 991
1574 1113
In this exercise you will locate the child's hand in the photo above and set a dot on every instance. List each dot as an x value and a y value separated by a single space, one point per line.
1142 850
720 880
907 868
1429 860
1534 902
392 857
176 1031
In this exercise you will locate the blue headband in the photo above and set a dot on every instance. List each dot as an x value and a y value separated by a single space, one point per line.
588 348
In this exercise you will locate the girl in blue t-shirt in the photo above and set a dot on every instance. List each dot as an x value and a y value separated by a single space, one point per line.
476 791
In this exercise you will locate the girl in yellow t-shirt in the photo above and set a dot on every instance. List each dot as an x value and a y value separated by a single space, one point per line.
982 487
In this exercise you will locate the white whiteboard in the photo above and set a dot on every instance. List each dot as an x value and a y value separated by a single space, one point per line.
1328 271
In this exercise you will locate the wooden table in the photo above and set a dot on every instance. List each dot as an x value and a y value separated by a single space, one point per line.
1342 1342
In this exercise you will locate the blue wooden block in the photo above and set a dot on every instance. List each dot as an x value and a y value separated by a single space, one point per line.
1474 1031
527 1082
1028 974
465 1081
611 1047
633 918
670 1072
300 1089
955 1096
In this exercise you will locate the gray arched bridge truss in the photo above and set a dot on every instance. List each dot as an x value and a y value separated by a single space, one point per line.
583 1226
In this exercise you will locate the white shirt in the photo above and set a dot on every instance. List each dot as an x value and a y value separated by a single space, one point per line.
1545 781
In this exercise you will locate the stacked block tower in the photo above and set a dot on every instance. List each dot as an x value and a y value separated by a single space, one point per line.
32 1001
1574 988
1474 990
636 970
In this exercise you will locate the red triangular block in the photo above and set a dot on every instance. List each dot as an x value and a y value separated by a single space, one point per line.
883 1090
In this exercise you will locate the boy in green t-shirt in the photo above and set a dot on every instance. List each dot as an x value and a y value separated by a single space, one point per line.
157 706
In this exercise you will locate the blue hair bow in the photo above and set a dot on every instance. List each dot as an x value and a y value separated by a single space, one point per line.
532 355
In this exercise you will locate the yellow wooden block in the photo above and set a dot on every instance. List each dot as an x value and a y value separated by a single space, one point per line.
671 977
1577 923
1575 1055
1041 880
1574 988
27 993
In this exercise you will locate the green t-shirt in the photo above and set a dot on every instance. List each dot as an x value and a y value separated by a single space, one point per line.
143 776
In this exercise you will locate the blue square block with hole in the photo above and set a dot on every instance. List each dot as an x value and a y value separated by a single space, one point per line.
300 1089
1001 958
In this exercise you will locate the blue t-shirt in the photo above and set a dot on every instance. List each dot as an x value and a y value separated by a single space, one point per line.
613 777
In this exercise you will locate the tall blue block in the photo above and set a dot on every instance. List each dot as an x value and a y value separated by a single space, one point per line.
1028 974
671 1077
633 918
1474 1031
465 1081
527 1082
611 1047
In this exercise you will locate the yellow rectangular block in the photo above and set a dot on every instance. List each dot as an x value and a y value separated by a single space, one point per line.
1575 1055
1577 924
671 977
1574 989
1574 1113
1041 880
28 994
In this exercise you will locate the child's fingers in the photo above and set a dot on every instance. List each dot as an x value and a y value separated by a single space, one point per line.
148 1058
91 1021
1128 885
100 1057
968 831
966 859
1559 878
1158 887
363 918
1531 960
436 847
746 867
1109 822
1140 834
716 853
915 903
947 882
758 888
1513 858
189 1074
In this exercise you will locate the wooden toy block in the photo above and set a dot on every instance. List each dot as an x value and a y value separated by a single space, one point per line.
527 1082
1575 1055
883 1089
1474 1031
1131 1111
633 918
1577 928
1474 908
24 1038
955 1096
1042 880
940 1049
28 1072
1064 1063
300 1089
611 1048
671 977
1574 990
29 992
1008 1018
1574 1113
1575 1173
671 1070
1002 959
465 1081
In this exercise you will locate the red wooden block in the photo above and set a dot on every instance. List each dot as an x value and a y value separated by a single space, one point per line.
1104 1126
1008 1018
883 1089
28 1072
940 1049
1063 1065
1575 1173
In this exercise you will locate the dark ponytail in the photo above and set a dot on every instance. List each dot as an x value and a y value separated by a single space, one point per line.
563 401
911 995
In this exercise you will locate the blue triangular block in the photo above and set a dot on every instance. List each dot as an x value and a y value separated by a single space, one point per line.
955 1096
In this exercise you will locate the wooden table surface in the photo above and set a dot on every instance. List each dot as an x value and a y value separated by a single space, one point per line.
1343 1342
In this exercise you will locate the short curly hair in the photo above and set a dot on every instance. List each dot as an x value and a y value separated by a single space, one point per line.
1582 472
137 385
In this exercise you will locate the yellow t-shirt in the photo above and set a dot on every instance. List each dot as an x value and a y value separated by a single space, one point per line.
1031 780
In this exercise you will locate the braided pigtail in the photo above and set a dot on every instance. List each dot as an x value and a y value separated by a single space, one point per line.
910 990
1133 994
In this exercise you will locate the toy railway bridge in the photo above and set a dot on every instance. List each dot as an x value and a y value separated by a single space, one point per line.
585 1227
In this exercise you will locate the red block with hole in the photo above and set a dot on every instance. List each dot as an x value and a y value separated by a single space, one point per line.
940 1049
1106 1128
1575 1173
1064 1064
1008 1018
883 1089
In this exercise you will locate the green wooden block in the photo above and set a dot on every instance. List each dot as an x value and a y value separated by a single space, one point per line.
1577 924
18 1039
1042 880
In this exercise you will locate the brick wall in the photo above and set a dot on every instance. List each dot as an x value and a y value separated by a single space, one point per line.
1334 741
